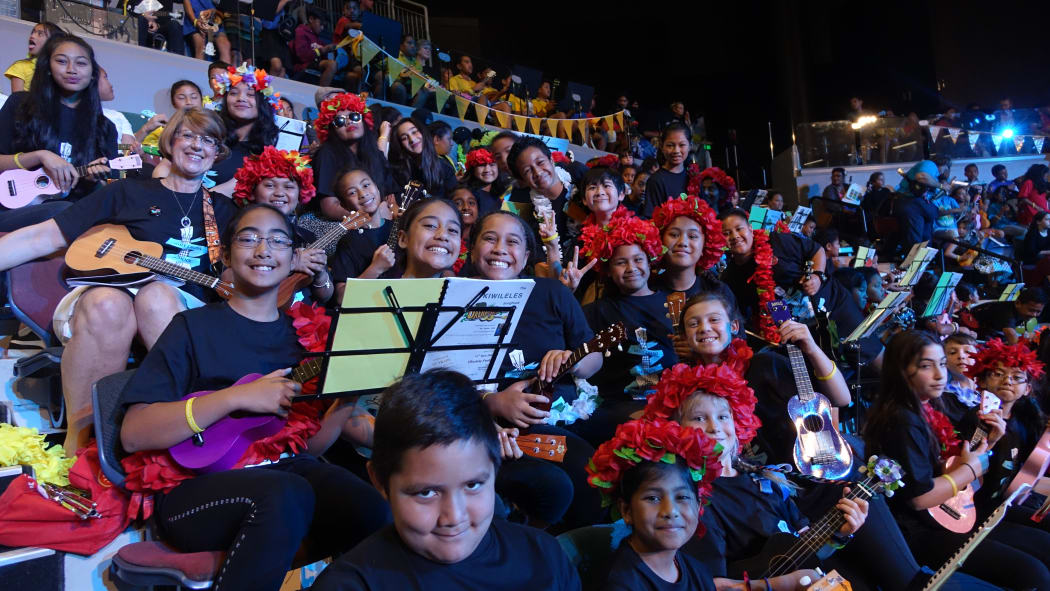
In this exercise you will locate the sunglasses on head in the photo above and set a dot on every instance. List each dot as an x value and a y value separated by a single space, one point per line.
344 120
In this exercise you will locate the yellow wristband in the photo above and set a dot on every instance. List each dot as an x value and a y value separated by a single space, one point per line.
834 370
551 238
951 481
17 163
189 417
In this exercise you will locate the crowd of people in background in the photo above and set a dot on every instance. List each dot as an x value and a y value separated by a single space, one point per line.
679 440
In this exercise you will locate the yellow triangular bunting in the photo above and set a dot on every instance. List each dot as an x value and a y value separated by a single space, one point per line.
534 123
609 122
461 106
519 122
368 51
417 83
394 67
481 113
441 96
503 118
619 119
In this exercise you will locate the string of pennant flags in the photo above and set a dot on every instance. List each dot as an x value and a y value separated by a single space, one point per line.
973 136
365 49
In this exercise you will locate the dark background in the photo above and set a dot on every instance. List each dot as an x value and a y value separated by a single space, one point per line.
746 64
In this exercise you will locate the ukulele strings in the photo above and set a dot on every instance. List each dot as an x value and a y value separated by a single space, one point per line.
816 536
170 268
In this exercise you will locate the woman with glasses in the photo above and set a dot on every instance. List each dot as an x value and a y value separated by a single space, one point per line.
345 130
99 324
278 501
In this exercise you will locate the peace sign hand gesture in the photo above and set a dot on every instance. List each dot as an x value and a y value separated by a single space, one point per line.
572 274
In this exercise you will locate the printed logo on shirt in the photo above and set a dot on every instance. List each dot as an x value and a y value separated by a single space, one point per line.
189 254
65 150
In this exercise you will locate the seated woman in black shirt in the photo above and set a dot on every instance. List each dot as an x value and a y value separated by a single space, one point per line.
626 248
660 500
277 496
552 325
57 126
748 505
435 458
284 180
904 425
345 130
247 111
484 180
413 158
174 212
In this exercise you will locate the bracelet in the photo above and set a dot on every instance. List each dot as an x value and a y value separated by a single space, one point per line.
17 163
551 238
768 586
951 481
383 138
971 470
485 395
839 541
189 416
834 370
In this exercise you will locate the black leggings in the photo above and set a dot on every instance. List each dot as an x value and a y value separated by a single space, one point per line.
260 517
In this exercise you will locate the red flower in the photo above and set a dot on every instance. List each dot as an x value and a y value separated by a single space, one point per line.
312 325
995 353
699 211
462 259
654 440
680 382
600 241
332 106
762 279
608 161
274 163
560 157
153 471
478 157
940 425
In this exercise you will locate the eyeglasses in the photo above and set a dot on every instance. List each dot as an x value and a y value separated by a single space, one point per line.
1016 378
344 120
253 240
190 137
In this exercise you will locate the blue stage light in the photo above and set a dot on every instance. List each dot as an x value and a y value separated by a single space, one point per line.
1008 133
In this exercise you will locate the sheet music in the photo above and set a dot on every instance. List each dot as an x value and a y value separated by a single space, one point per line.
918 264
291 133
1011 292
885 309
799 219
942 294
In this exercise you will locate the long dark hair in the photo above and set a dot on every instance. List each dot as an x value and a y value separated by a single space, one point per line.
264 131
405 163
368 157
666 133
895 394
1036 174
531 244
499 186
38 117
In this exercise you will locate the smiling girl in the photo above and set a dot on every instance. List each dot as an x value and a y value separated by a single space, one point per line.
483 178
413 158
693 243
672 178
247 111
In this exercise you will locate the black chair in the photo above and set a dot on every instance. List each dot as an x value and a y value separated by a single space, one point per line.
149 563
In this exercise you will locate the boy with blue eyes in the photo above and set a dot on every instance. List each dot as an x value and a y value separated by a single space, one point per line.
435 457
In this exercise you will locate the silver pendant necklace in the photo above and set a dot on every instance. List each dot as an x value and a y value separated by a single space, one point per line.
187 226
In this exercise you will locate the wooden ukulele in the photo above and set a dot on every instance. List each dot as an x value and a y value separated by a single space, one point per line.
298 280
674 305
544 447
110 247
209 21
604 341
19 188
220 446
820 450
413 192
784 552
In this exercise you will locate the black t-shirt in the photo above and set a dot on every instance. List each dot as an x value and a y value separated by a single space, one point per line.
210 348
634 311
661 186
70 128
704 282
152 213
993 317
630 573
791 252
1008 456
743 512
910 444
510 557
224 170
770 376
328 163
355 251
552 319
486 201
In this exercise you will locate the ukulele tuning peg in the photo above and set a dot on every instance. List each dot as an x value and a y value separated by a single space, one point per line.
607 353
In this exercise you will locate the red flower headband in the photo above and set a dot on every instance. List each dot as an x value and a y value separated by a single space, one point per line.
478 157
608 161
680 382
600 241
274 163
643 440
720 178
560 158
340 102
995 352
699 211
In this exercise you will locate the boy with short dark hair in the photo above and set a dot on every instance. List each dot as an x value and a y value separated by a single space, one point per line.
435 457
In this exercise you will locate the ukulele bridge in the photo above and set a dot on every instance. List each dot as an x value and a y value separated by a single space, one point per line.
107 246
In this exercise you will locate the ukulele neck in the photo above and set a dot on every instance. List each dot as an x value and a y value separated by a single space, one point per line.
307 370
178 271
800 372
332 236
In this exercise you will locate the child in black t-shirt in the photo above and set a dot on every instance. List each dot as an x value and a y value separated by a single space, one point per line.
276 496
435 458
363 253
661 499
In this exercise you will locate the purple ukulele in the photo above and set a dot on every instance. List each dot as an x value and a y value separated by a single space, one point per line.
221 445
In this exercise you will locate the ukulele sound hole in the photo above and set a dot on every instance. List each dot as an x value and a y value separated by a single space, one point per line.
42 182
813 423
132 257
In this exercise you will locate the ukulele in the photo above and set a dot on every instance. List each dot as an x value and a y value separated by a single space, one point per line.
544 447
784 552
414 191
958 513
604 341
1034 467
110 247
19 188
820 450
957 559
209 21
674 304
298 280
220 446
